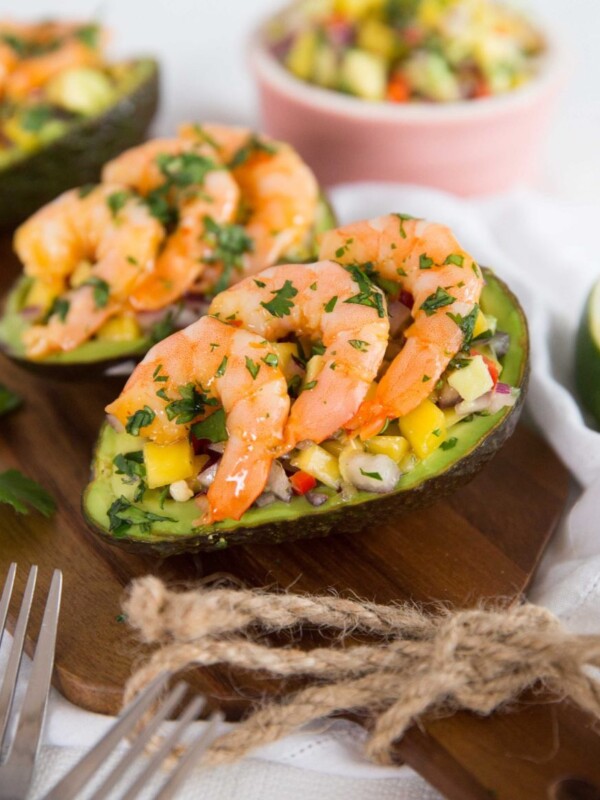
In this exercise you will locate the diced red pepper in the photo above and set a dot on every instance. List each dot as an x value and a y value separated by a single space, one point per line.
482 88
491 365
413 35
407 299
398 89
302 482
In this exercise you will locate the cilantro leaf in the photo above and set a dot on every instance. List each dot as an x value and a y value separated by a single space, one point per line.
33 119
359 344
116 201
101 290
212 428
425 262
375 475
369 294
254 145
466 324
20 492
439 299
271 359
191 404
229 243
252 367
185 169
8 400
123 515
221 368
403 218
89 35
456 259
449 443
130 464
281 305
139 419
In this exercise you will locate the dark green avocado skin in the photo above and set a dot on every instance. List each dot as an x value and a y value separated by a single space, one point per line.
349 518
77 157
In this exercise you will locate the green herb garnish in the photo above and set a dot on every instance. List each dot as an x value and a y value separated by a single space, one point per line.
139 419
359 344
252 367
254 145
437 300
123 515
449 443
131 465
192 404
8 400
20 492
456 259
101 290
375 475
212 428
281 305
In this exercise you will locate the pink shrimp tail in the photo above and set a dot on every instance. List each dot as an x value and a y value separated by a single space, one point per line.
368 420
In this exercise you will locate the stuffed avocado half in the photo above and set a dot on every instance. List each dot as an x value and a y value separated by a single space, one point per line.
120 508
126 337
64 111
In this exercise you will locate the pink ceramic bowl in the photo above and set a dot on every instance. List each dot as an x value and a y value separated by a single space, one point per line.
468 147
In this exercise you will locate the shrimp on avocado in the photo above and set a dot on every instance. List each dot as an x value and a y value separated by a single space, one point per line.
213 205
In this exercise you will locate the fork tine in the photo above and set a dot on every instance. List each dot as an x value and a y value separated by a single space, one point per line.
6 595
33 711
190 713
169 705
189 759
7 692
68 787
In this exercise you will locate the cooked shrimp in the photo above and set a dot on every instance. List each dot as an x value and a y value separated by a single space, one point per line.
108 228
424 259
214 361
34 72
279 191
185 176
327 303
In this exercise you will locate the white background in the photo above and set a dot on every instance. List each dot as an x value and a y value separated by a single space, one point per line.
201 46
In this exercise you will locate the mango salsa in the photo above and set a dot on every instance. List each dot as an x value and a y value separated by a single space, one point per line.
320 464
396 447
120 329
424 427
167 463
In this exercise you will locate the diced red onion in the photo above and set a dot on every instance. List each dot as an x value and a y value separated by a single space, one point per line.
216 447
399 315
207 477
464 408
265 499
31 313
500 401
502 388
316 498
115 424
278 483
448 396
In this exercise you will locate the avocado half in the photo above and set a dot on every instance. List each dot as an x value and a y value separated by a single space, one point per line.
30 180
437 475
97 355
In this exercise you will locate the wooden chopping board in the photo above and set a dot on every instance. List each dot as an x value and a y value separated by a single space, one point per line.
483 542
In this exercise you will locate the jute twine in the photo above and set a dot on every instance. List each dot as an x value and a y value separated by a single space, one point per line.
478 659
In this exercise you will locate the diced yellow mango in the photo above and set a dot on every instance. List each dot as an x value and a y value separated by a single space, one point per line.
285 352
120 329
396 447
41 295
167 463
80 274
424 427
473 380
481 324
376 37
317 462
333 446
26 140
451 417
200 462
301 56
355 9
313 368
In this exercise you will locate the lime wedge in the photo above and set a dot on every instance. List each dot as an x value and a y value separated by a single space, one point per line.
587 355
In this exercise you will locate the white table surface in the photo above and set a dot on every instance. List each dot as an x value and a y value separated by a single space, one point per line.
201 46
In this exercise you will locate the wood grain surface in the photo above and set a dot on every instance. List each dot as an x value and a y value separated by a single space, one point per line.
483 542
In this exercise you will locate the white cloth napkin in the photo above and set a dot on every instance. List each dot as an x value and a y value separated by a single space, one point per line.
546 251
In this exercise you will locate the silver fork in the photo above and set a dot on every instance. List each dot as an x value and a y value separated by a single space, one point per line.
83 773
16 772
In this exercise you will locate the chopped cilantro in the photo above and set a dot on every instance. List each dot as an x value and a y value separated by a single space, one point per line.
456 259
89 35
134 261
221 368
123 515
213 346
260 284
359 344
437 432
271 360
402 272
330 304
116 201
449 443
308 386
185 169
8 400
475 268
437 300
313 287
130 464
101 290
281 304
229 243
139 419
157 377
19 491
294 385
466 324
252 367
425 378
86 189
403 218
212 428
317 349
60 308
192 403
254 145
375 475
33 119
369 294
425 262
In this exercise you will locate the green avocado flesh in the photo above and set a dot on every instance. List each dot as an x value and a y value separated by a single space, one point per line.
438 474
97 351
29 180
